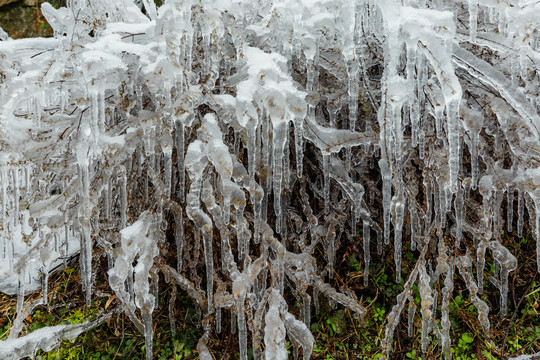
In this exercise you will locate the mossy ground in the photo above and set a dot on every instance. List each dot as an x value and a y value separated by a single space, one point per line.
338 335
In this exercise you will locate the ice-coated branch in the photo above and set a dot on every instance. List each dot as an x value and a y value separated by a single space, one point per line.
247 140
45 339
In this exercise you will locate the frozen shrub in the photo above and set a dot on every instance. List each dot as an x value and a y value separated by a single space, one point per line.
254 132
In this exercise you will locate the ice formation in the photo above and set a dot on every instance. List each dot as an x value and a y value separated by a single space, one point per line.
254 133
46 339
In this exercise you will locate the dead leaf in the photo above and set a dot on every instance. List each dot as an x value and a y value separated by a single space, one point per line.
108 303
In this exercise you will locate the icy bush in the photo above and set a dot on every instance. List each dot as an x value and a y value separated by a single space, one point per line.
237 137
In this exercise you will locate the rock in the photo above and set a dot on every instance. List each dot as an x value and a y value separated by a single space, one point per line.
20 20
5 2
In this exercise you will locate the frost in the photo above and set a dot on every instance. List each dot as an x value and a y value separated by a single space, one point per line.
251 141
367 256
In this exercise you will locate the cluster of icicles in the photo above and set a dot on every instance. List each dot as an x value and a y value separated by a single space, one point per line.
241 136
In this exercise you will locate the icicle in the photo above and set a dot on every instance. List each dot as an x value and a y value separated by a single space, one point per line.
521 209
21 291
15 182
311 70
86 260
251 131
398 205
379 243
352 74
279 136
445 265
367 238
257 199
410 317
438 114
386 173
442 207
101 112
421 144
299 146
426 304
536 198
167 163
480 263
4 252
179 237
94 115
257 326
107 199
485 187
414 227
473 15
37 109
196 252
458 205
226 205
45 285
286 163
415 120
266 177
453 121
4 184
66 240
180 159
242 330
508 263
281 274
464 266
123 199
129 288
26 179
326 174
496 214
331 246
148 330
474 158
242 229
433 323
